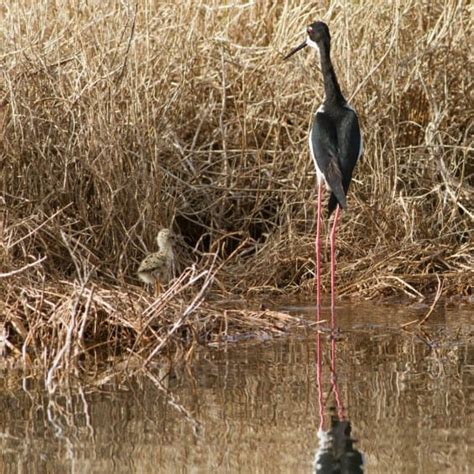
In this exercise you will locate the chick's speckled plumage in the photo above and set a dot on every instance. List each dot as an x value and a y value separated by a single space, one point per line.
157 266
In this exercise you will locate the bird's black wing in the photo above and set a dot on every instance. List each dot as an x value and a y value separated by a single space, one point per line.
349 142
350 146
325 151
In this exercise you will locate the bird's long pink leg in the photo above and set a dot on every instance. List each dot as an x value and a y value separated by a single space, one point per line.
318 254
333 268
319 356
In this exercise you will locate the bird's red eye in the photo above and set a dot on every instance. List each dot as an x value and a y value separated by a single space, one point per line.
309 30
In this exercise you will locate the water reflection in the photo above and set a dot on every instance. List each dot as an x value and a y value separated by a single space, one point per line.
256 407
336 452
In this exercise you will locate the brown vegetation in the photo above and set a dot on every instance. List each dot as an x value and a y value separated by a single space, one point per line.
118 119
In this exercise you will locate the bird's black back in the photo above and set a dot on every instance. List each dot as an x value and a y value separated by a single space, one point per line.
336 145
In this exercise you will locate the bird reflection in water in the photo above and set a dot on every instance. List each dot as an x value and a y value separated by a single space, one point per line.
336 452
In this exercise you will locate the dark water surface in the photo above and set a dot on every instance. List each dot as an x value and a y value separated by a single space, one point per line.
255 407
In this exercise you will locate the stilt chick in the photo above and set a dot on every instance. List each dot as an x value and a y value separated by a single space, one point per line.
156 267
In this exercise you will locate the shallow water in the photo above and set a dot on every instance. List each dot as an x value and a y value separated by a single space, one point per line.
256 407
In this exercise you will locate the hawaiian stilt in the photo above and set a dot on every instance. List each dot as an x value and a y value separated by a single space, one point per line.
157 266
335 144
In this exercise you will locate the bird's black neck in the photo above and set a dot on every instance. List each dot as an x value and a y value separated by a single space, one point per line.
331 86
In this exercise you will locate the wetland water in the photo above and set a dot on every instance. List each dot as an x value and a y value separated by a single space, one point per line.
255 407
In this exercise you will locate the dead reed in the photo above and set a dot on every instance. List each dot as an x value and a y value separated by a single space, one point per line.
118 118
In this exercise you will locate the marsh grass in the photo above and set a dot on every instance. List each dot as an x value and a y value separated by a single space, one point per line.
117 119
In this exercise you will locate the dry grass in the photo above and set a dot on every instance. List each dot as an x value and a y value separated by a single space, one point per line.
118 119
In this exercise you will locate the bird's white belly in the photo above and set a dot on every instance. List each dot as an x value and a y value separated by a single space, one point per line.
146 277
319 174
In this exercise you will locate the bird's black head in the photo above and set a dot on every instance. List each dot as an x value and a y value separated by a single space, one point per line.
318 36
318 32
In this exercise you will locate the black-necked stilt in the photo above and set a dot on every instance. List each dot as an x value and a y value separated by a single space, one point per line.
156 267
335 143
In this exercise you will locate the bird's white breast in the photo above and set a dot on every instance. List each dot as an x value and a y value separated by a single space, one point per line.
319 173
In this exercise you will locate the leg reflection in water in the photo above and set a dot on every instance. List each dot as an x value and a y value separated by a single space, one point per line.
336 452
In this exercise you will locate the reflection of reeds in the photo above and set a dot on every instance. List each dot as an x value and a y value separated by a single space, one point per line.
115 123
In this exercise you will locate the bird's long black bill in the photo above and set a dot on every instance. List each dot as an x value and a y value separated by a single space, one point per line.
295 50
